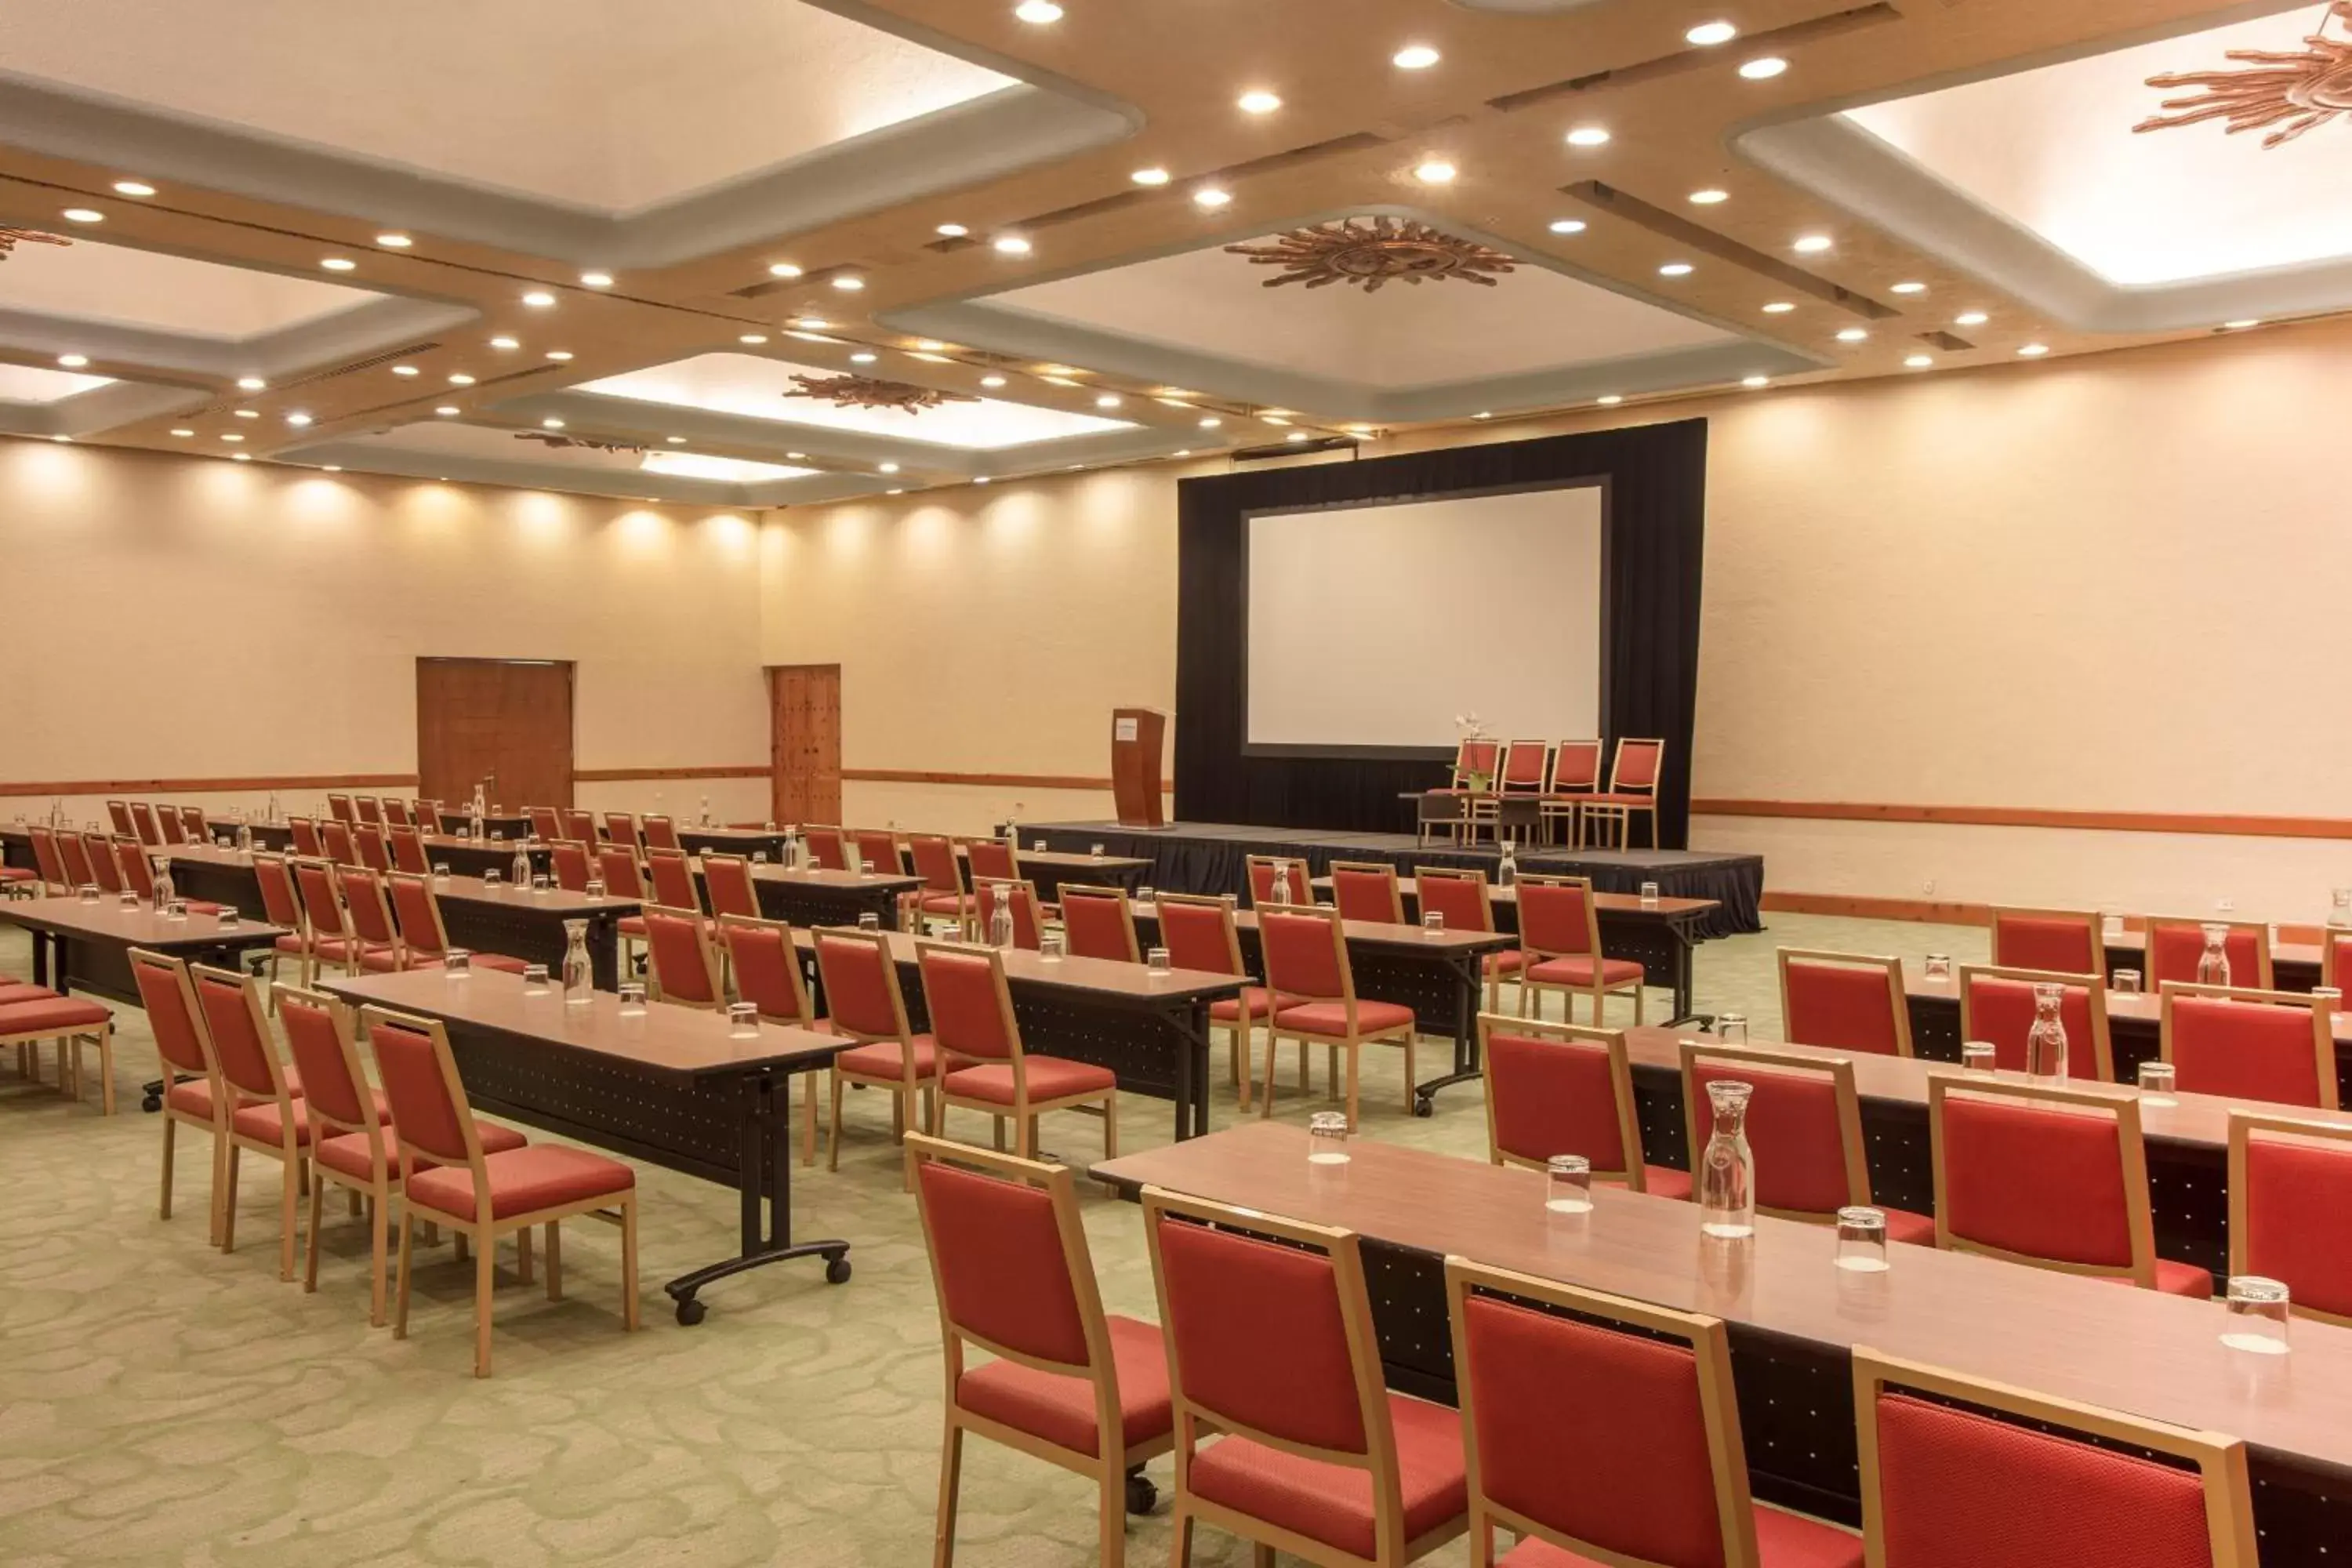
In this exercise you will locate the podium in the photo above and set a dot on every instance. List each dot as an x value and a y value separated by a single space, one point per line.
1136 737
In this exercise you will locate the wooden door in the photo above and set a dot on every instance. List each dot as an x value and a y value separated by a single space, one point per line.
804 741
505 720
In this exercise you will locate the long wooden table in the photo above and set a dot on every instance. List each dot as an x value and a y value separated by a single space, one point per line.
1795 1317
673 1087
2294 966
815 897
87 947
1049 868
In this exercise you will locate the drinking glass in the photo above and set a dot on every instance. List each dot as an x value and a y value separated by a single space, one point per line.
758 856
1433 921
769 827
1050 947
868 921
539 884
2158 1083
440 870
1157 958
742 1020
1938 966
595 887
87 892
1978 1055
2339 905
176 910
1326 1138
633 1000
1731 1028
230 915
1096 850
1649 895
534 980
2125 983
1037 846
457 964
1147 895
492 877
1568 1184
2258 1315
129 900
1862 1239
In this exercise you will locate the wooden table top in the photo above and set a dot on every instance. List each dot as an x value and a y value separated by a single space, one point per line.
2140 1007
823 877
2281 951
1609 903
553 901
1072 860
2153 1354
1102 976
142 926
693 1041
757 836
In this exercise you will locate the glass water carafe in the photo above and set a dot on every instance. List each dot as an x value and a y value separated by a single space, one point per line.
522 872
2213 963
706 811
1727 1174
2045 1043
1000 920
2339 910
1506 869
164 891
578 984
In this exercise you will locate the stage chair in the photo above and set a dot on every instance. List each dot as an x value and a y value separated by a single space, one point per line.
143 819
621 828
447 1177
1575 779
1997 1006
367 811
1804 1121
2059 942
681 967
1961 1473
407 850
307 841
1632 790
1305 954
864 1001
2055 1177
579 825
397 813
267 1119
1563 1089
661 832
282 906
330 937
568 860
1066 1384
1271 1349
545 826
1664 1478
1473 759
1459 895
368 843
1027 914
138 876
1844 1001
104 869
672 875
1097 923
341 849
33 1013
1520 774
1199 932
2290 1192
2175 944
1559 950
828 849
167 820
423 938
878 849
118 812
766 968
935 862
971 1009
727 880
1438 814
1365 890
193 1094
1277 880
338 807
2241 1043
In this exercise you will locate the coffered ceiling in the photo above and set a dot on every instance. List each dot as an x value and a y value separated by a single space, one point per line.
403 237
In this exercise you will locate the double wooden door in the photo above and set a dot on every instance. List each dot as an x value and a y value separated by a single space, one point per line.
804 741
505 723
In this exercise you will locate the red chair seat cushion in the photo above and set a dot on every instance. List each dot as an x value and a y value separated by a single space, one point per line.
1782 1541
348 1152
1575 969
522 1181
258 1119
1507 961
340 949
43 1015
1050 1077
289 942
497 961
383 961
632 925
945 903
15 991
16 874
1332 1503
194 1095
1902 1225
882 1059
1665 1182
1260 1002
1061 1409
1331 1018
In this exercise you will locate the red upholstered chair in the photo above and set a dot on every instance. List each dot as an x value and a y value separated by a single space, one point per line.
368 843
1665 1479
282 906
407 848
828 850
672 875
545 826
447 1177
193 823
1305 954
994 859
1997 1006
624 877
766 967
138 876
1459 895
1804 1124
2060 942
943 895
661 832
367 811
862 1001
569 861
331 940
376 935
1560 948
878 849
339 808
1362 890
192 1092
1961 1473
104 869
727 880
2278 1046
168 820
2056 1177
50 862
1632 791
1277 880
579 825
621 828
971 1009
1563 1089
118 812
2291 1210
31 1014
396 813
306 836
681 966
2174 947
341 849
266 1117
1028 924
1200 933
1575 779
142 821
1845 1002
73 850
427 817
424 936
1097 923
1518 771
1285 1434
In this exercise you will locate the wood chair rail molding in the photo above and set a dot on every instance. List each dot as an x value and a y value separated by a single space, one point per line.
2221 824
982 781
579 775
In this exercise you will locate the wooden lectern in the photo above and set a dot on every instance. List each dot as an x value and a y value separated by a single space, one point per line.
1135 734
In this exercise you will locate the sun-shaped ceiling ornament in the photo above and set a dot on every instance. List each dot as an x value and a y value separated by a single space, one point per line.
872 392
2295 91
11 237
550 438
1371 252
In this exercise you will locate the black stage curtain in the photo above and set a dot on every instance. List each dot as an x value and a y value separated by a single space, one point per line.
1655 535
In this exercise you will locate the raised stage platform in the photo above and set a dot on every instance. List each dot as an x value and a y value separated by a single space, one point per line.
1207 858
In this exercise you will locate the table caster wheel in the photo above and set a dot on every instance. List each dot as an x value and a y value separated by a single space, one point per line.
1141 1495
690 1311
1424 1106
151 1103
836 1271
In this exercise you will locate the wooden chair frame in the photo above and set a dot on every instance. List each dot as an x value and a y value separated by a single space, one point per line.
2243 1125
803 1016
377 906
312 933
1531 990
105 867
945 864
173 830
1023 1111
2131 1148
217 1124
1838 1070
70 1064
1475 876
2092 922
1378 1461
815 833
607 857
621 828
2323 1028
397 814
404 843
1394 914
366 809
1117 896
267 868
377 1191
1486 809
303 828
711 970
1241 1034
1621 804
1302 882
193 823
142 822
864 838
73 851
118 812
1635 1178
1895 999
714 866
2094 989
2220 1460
285 1147
1114 1460
985 890
2262 979
1565 800
910 1092
577 824
662 837
1352 1040
546 825
338 807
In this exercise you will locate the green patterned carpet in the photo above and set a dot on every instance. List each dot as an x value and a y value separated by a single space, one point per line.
163 1403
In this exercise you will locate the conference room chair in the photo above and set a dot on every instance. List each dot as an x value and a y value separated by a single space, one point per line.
1560 948
193 1094
31 1015
427 816
1520 773
340 847
1997 1006
366 811
1028 914
863 1002
661 832
324 919
424 936
1565 1089
545 826
1845 1002
996 859
1632 792
368 846
339 808
1663 1477
1459 896
1097 922
73 848
1064 1382
1277 880
578 826
375 935
1200 933
828 850
971 1009
1575 778
681 965
305 832
569 861
1959 1472
1305 954
449 1177
281 905
2055 1177
2290 1209
1362 891
138 876
104 869
118 812
672 875
396 813
934 859
1804 1126
624 877
2241 1044
21 882
879 850
2060 942
49 861
759 955
2335 960
265 1118
407 848
621 828
1273 1357
2175 944
142 824
1440 815
727 878
1475 760
169 825
198 826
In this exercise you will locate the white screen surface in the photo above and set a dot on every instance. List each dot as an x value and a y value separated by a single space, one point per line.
1375 625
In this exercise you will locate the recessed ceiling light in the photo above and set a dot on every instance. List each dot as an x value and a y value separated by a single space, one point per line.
1296 436
795 457
332 469
1012 244
1919 362
1272 420
1568 225
752 338
930 345
65 438
887 467
461 379
1257 100
251 384
84 214
1483 414
232 435
1812 243
674 440
394 241
2035 351
597 280
1152 176
183 433
1611 399
1211 422
1038 13
552 424
445 410
1753 381
538 298
1677 270
951 231
2238 326
783 269
992 381
133 188
73 361
1414 58
1911 288
1707 34
1763 68
298 420
862 358
1211 196
1588 136
897 492
811 323
1971 318
1437 172
559 354
249 413
848 282
405 370
240 457
1779 308
1710 197
504 343
339 264
1107 400
1852 334
1183 451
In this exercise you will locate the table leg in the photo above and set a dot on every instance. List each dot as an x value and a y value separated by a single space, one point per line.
604 952
40 958
1683 947
1185 1077
765 1161
1203 1073
1467 979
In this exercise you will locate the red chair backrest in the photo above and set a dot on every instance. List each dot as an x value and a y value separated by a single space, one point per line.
2297 1196
1475 757
138 871
1096 925
1261 1335
364 901
861 984
1196 937
1794 1128
103 868
414 906
1003 1276
339 807
1461 901
580 825
729 879
673 878
674 939
1576 767
368 808
46 855
246 1062
620 828
1843 1006
395 813
1263 883
879 850
1302 957
2001 1012
827 850
1025 928
1523 765
431 1118
168 821
320 903
142 817
74 853
2058 942
2035 1179
2175 947
1553 1096
369 842
312 1035
2244 1049
1556 917
191 818
961 991
617 863
279 905
1366 896
992 858
767 968
407 849
544 823
118 812
1637 766
178 1029
661 832
935 862
305 835
568 858
337 836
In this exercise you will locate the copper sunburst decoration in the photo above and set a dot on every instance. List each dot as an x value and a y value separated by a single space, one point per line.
12 237
550 438
872 392
1370 253
2295 91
